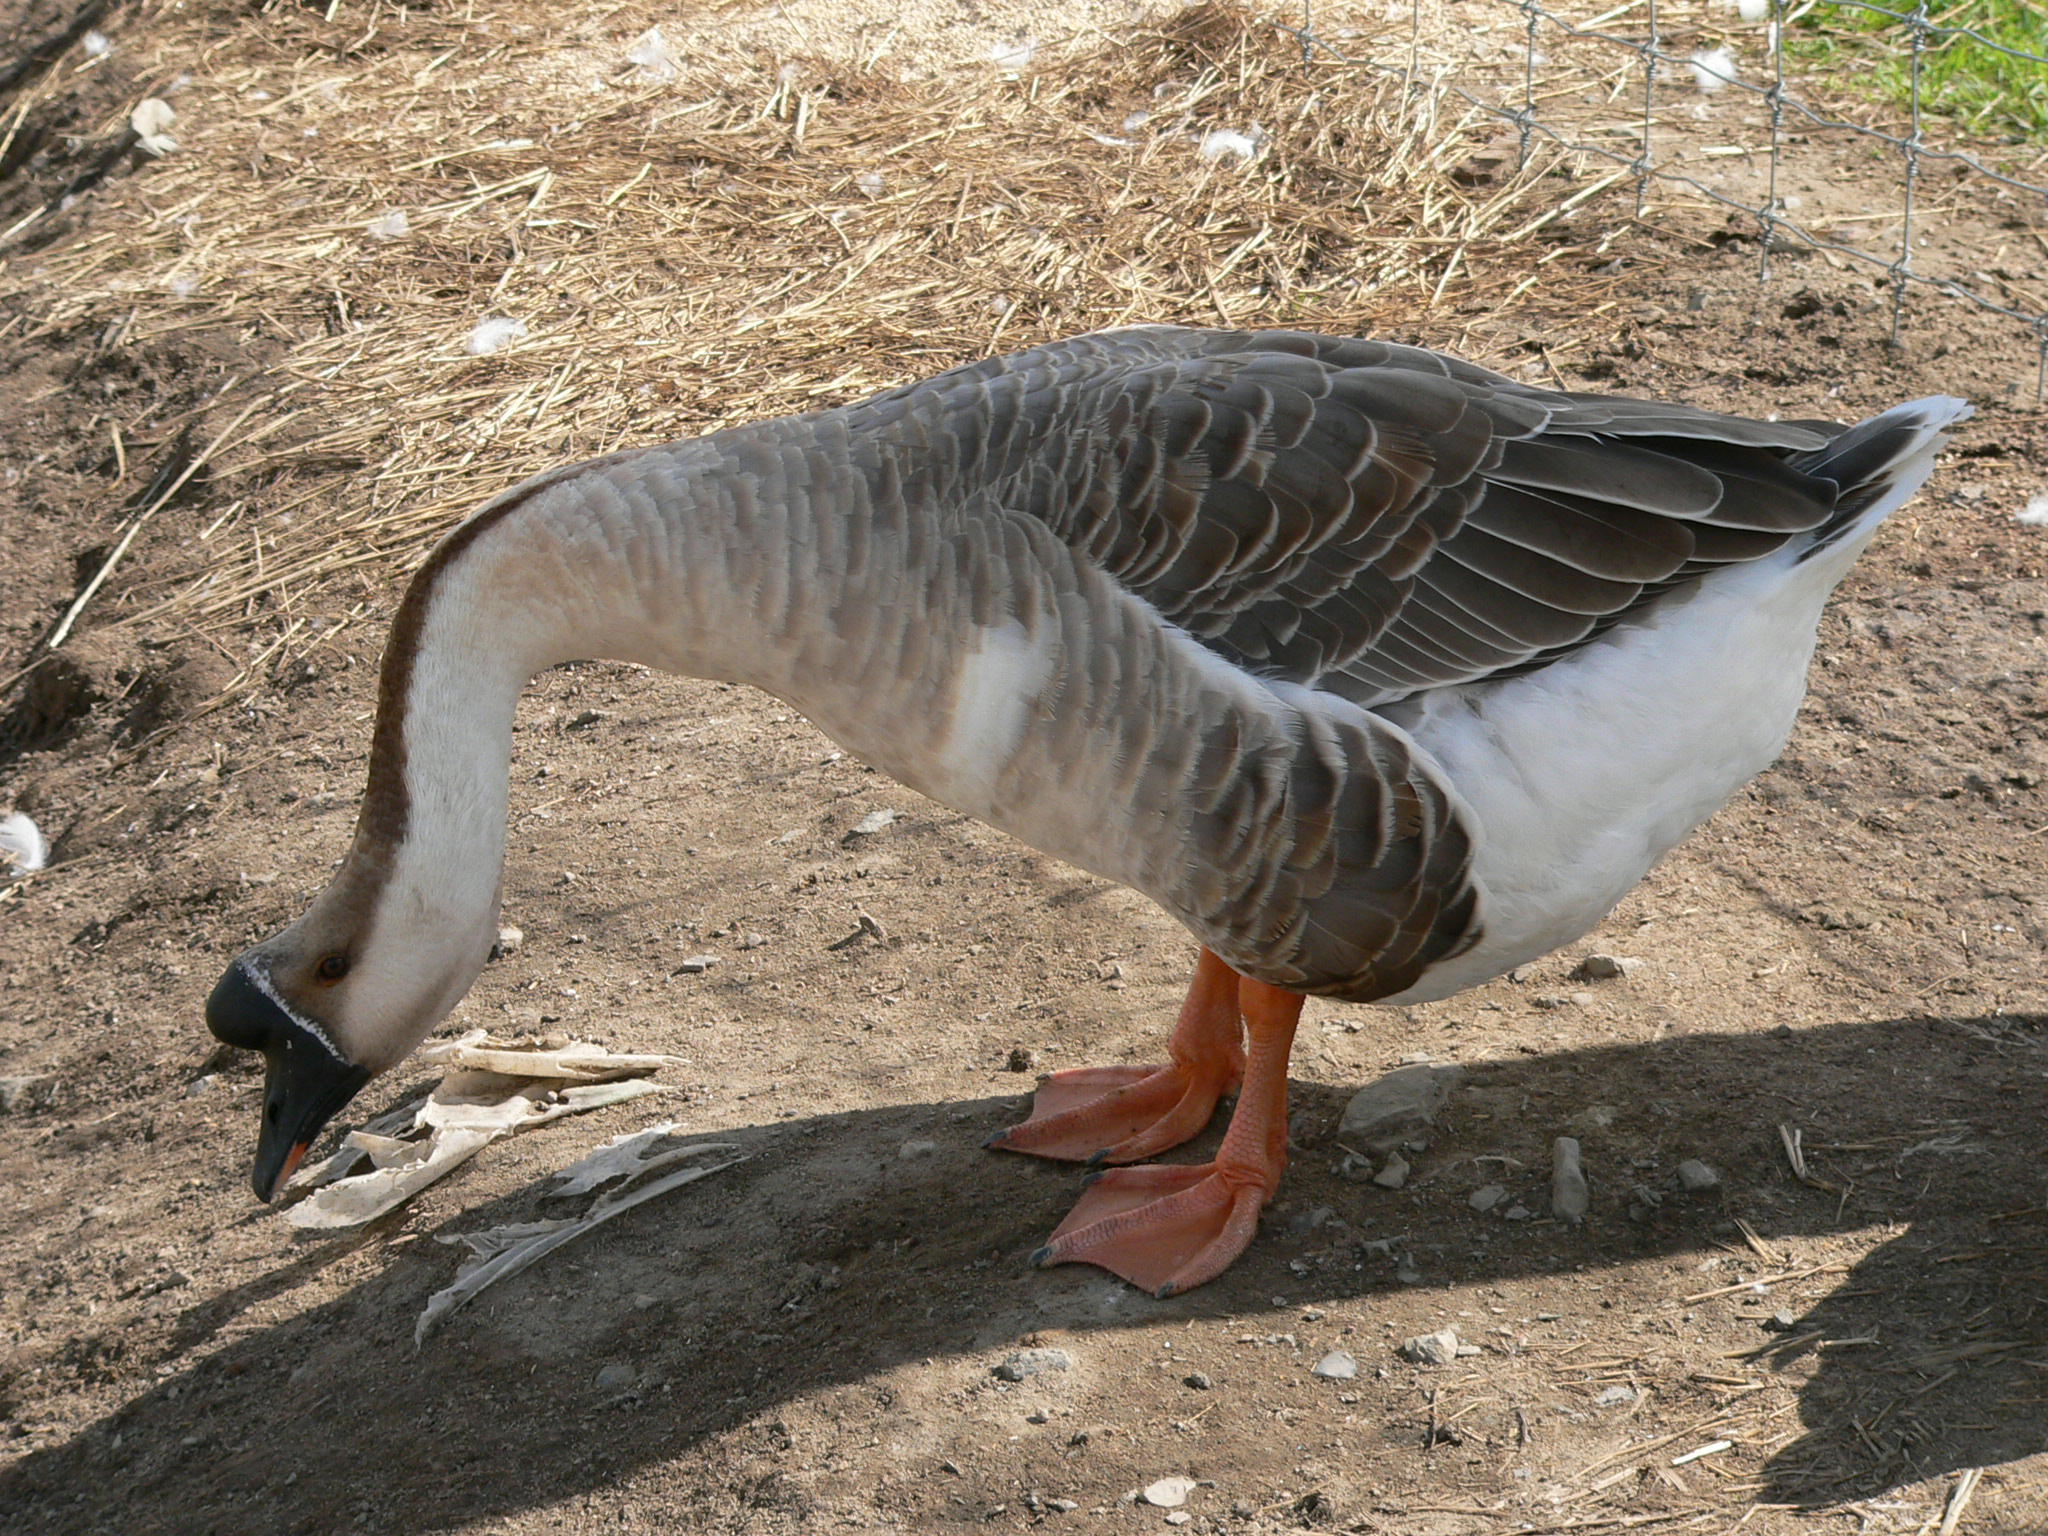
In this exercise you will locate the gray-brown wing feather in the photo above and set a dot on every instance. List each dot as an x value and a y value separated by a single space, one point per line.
1366 517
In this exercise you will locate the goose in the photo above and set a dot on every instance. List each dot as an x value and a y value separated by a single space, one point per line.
1381 672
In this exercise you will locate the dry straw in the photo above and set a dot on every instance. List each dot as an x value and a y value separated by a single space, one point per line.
743 236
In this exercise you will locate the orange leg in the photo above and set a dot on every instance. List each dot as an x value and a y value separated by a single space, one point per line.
1120 1114
1167 1228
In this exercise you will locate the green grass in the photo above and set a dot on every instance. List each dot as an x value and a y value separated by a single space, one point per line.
1983 91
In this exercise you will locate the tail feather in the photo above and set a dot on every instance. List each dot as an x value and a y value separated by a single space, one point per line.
1881 462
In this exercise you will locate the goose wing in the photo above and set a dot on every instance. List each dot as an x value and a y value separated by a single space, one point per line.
1366 517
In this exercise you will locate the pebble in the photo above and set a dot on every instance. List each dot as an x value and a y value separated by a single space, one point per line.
1569 1197
1062 1506
25 1093
1782 1321
1335 1366
1394 1173
1486 1197
916 1149
875 821
1393 1109
1033 1362
1614 1397
617 1374
1199 1380
1520 1213
696 965
1022 1060
1038 1416
1696 1177
1168 1492
1607 967
1431 1348
510 941
198 1085
1353 1167
1179 1517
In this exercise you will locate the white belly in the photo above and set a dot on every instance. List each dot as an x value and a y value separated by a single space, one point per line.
1581 776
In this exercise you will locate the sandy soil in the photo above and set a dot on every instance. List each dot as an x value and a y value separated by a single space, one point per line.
1852 950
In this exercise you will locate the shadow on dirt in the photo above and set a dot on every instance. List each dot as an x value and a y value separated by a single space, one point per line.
829 1257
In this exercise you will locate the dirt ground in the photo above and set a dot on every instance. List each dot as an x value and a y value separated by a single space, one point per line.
1851 950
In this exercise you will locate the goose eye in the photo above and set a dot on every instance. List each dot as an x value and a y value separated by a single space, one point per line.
332 968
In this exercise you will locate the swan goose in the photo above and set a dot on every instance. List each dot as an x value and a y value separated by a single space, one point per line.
1381 672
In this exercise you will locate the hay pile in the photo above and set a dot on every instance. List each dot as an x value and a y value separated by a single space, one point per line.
459 250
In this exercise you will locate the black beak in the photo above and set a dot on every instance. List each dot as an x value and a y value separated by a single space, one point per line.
306 1082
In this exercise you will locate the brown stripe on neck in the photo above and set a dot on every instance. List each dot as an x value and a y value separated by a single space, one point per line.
386 813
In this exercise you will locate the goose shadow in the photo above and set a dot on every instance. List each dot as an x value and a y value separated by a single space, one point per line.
830 1257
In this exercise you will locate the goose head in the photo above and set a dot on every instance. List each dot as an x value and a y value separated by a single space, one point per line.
341 995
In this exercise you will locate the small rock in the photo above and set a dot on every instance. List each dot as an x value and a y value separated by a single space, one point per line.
1606 967
1022 1060
1394 1173
1033 1362
1061 1506
1843 918
1335 1366
1520 1213
1302 1223
1696 1177
584 720
911 1150
1555 1000
199 1085
1394 1109
1354 1167
1407 1273
1569 1197
1316 1509
1594 1117
1439 1348
1784 1320
1179 1517
875 821
615 1376
1038 1416
1782 1032
1486 1197
1522 973
1614 1397
1199 1380
696 965
510 941
752 941
1168 1492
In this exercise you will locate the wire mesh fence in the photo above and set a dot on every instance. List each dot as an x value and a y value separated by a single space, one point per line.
1555 51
